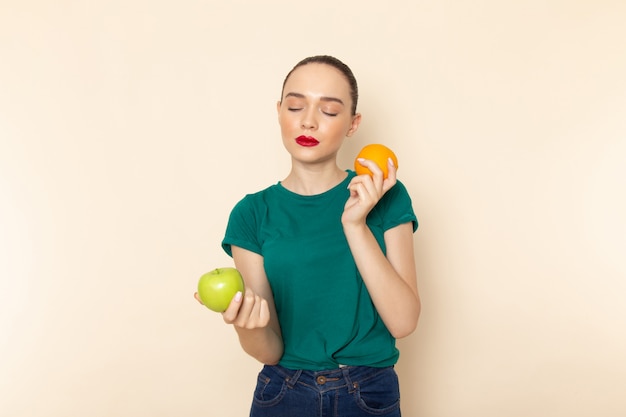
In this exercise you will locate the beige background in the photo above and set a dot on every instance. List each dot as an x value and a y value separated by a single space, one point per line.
128 129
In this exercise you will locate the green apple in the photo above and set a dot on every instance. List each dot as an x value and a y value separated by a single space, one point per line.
218 287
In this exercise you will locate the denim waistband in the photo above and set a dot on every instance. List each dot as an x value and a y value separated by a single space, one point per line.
326 380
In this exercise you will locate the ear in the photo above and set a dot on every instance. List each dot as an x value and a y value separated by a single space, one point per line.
354 126
278 103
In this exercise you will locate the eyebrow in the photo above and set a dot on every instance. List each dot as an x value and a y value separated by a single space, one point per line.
298 95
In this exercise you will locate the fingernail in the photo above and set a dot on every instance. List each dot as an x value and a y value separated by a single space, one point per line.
238 296
391 162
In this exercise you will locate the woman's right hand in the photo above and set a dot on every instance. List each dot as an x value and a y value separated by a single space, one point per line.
253 313
247 311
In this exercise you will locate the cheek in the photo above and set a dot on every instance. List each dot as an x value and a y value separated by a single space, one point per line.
337 128
287 126
285 121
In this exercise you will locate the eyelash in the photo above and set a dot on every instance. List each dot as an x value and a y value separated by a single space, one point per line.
294 109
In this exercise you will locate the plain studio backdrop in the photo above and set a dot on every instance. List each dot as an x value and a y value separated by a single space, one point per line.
129 129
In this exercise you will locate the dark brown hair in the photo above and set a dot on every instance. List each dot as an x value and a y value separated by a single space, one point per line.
335 63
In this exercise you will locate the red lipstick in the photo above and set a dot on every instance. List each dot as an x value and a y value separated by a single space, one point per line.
307 141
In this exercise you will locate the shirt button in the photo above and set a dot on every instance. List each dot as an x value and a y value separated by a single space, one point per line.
321 380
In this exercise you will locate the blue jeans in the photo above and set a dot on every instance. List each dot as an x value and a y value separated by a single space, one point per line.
352 391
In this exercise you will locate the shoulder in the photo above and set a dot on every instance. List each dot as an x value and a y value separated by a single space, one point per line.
396 207
245 221
397 193
256 199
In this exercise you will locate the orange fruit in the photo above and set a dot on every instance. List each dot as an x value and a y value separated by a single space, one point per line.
377 153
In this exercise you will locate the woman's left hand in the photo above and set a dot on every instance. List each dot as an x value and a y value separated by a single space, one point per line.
366 191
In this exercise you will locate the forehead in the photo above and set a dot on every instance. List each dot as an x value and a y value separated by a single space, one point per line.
318 79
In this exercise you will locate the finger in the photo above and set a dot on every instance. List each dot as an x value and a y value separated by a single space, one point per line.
361 179
264 316
362 161
245 311
231 313
391 176
362 192
391 166
377 173
372 186
372 166
353 187
255 314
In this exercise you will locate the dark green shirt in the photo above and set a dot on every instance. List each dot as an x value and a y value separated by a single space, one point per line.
325 312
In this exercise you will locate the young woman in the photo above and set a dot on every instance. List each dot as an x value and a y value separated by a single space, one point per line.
327 259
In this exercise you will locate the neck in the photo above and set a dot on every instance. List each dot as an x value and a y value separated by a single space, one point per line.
312 180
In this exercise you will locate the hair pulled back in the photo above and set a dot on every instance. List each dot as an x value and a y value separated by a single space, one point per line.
335 63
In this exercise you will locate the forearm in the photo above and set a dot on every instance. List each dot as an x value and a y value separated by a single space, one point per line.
263 344
394 296
255 320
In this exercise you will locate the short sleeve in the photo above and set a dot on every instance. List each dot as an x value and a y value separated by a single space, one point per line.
397 208
242 228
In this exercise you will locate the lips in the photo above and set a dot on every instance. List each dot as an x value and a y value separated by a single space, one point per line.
307 141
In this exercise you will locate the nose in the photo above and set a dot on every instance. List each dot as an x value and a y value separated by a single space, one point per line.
309 120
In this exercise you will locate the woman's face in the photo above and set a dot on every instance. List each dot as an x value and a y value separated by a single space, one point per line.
315 113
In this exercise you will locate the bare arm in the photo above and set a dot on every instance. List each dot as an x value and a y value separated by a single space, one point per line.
391 280
253 314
